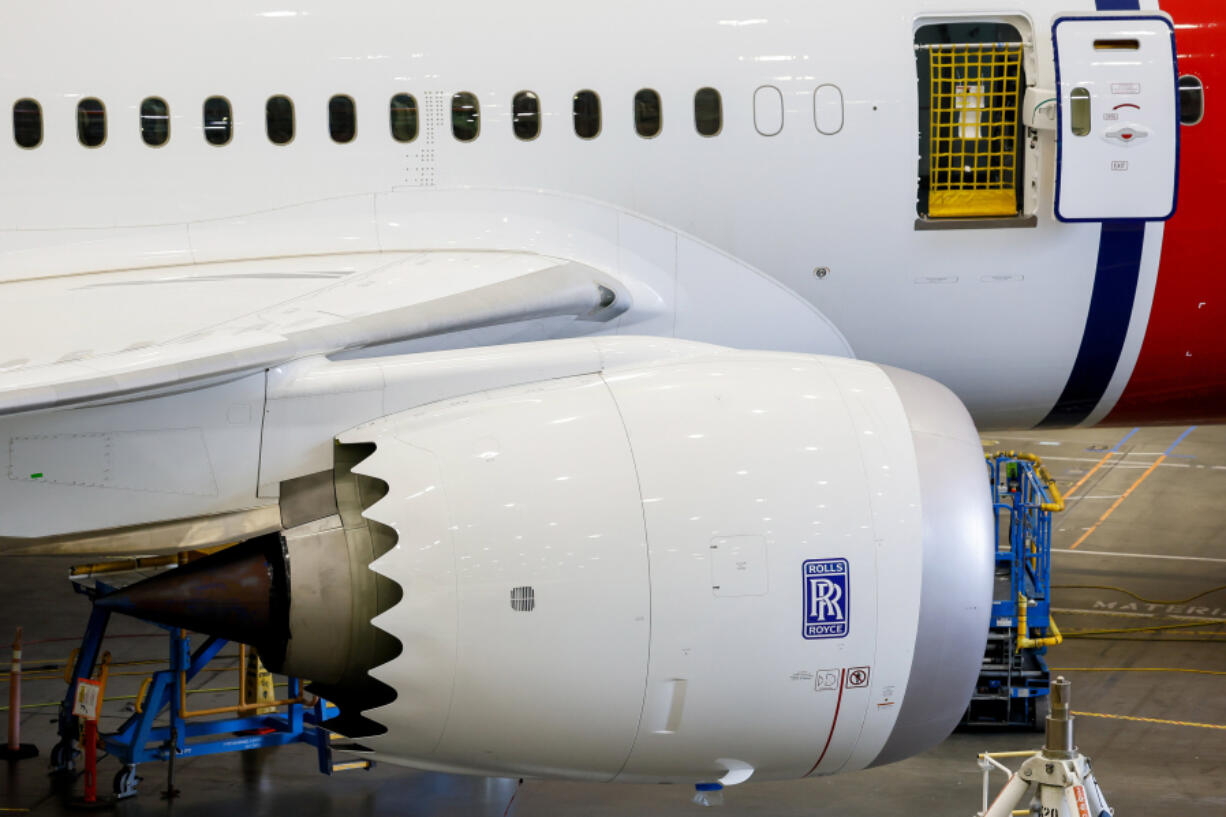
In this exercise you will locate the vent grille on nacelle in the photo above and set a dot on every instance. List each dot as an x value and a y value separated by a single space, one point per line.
523 599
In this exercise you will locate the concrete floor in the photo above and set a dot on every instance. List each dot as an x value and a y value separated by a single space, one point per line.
1165 540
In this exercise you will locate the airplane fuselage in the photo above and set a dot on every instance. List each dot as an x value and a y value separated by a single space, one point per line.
1004 316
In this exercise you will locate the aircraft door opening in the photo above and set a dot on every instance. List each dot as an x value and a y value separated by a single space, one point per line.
971 80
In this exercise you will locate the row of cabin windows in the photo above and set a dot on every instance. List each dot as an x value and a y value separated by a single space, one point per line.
342 118
217 118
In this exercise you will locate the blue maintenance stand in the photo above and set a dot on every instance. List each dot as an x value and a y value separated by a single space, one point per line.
1014 681
162 729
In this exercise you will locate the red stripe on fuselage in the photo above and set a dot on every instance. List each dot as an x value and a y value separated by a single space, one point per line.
1180 376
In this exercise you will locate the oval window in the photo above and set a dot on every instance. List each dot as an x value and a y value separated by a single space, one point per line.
1191 100
1079 106
91 122
218 124
27 123
402 112
154 121
587 114
279 119
465 116
526 115
828 109
768 110
708 112
647 114
342 118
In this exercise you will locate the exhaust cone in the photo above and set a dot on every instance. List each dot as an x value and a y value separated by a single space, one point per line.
240 594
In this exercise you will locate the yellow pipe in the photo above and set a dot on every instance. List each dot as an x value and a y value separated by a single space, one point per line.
71 664
1024 641
1057 503
104 673
140 696
1031 753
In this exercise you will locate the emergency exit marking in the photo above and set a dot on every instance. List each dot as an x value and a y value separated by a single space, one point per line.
1119 165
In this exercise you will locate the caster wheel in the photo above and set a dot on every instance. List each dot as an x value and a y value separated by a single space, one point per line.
64 757
125 782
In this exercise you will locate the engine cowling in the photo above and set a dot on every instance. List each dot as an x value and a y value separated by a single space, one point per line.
746 563
715 566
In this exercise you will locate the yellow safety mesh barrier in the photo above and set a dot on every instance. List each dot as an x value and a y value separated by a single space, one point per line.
973 129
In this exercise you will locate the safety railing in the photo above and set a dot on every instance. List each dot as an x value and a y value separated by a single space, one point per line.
1024 496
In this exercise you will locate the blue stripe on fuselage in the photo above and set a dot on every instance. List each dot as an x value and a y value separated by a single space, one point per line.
1115 289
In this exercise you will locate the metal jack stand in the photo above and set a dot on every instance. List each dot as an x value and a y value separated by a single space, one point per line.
1058 776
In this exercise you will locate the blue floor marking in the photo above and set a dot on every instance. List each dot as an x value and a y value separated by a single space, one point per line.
1178 440
1127 437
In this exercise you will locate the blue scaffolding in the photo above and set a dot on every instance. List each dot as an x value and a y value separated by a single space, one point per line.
1014 680
182 733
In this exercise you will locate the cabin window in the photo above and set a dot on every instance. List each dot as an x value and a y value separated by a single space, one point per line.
526 115
768 110
828 109
970 94
342 118
465 116
218 123
279 119
154 121
708 112
647 116
587 114
1080 122
402 111
27 123
1191 100
91 122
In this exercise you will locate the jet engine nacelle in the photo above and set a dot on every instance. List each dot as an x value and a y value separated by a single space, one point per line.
744 563
704 568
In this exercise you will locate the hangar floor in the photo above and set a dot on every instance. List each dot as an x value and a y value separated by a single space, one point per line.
1146 515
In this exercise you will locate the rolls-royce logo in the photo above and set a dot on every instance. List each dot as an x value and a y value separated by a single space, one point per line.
826 598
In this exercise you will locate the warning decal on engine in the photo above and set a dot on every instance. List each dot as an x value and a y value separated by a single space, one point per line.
825 598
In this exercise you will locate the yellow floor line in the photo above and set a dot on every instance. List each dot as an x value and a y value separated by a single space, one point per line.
1069 493
1149 720
1083 611
1138 669
1147 629
1118 502
1161 602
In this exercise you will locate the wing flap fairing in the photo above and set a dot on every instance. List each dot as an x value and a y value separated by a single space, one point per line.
416 295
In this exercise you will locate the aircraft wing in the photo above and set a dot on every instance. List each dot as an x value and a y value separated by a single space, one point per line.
155 328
